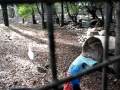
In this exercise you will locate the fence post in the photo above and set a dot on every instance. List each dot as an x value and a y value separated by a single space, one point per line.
107 21
51 42
116 65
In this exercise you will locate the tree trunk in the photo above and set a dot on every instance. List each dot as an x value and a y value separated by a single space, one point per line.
56 16
23 20
72 17
92 12
42 16
38 10
62 14
5 14
33 17
117 43
75 19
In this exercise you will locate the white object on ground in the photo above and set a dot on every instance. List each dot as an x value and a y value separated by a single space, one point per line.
30 53
102 33
90 30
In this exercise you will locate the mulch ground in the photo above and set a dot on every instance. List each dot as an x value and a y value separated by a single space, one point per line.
17 70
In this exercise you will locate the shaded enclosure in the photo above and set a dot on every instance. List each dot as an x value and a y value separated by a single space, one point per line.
106 21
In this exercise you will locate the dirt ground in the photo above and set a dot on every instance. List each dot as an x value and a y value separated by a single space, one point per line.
18 70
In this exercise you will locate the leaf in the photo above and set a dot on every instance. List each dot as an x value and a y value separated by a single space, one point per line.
25 10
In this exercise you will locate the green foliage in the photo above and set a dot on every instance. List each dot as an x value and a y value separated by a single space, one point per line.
73 8
25 10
